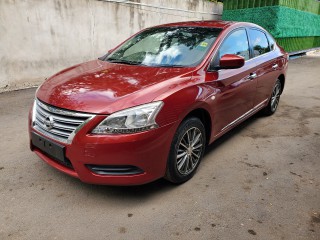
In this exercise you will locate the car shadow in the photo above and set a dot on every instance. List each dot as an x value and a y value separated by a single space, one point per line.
233 132
142 193
129 194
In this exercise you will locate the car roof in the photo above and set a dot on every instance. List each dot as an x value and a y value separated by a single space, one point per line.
208 23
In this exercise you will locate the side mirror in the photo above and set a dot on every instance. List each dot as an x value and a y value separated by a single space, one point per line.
231 61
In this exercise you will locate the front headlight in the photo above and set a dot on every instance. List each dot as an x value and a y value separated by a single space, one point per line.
132 120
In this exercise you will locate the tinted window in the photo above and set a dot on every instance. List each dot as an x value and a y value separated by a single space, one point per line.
167 46
236 43
271 41
259 42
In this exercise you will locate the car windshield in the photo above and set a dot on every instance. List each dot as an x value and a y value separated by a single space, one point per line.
166 47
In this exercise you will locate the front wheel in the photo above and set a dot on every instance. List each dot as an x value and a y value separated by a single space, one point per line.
274 100
186 151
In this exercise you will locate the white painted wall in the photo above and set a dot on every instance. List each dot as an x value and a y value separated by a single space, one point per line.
41 37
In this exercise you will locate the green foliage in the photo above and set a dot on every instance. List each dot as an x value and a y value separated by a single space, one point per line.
280 21
298 43
294 23
294 29
302 5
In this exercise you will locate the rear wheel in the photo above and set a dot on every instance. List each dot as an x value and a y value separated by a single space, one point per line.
272 106
186 151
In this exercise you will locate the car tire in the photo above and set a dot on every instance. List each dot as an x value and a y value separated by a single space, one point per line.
186 151
273 103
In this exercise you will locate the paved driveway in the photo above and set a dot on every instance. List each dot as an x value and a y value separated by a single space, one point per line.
260 181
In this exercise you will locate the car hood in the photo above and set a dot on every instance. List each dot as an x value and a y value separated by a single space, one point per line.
102 87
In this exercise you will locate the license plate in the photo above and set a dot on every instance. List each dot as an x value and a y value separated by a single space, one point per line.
50 148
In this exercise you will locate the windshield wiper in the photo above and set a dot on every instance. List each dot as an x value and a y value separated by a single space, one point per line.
170 66
112 60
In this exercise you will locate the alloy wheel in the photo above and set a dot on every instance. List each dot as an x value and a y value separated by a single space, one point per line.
275 97
189 151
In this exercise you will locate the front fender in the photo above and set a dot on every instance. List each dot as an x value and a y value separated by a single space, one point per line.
181 103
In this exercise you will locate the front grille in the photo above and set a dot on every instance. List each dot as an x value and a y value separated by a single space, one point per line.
57 123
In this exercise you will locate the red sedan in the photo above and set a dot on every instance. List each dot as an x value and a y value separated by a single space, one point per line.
149 107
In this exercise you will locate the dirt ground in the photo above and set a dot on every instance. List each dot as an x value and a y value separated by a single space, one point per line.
260 181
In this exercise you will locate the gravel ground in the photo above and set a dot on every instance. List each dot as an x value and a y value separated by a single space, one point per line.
260 181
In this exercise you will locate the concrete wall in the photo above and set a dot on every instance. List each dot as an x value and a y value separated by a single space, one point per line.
41 37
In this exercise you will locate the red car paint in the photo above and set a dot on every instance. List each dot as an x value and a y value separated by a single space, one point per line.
102 88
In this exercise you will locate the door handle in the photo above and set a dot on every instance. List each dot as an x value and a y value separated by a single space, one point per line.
275 66
252 76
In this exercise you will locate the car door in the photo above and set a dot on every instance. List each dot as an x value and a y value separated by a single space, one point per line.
266 61
237 86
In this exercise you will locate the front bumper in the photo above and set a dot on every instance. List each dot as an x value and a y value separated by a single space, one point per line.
147 151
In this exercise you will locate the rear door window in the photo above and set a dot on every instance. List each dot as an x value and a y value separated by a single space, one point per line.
259 42
271 41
